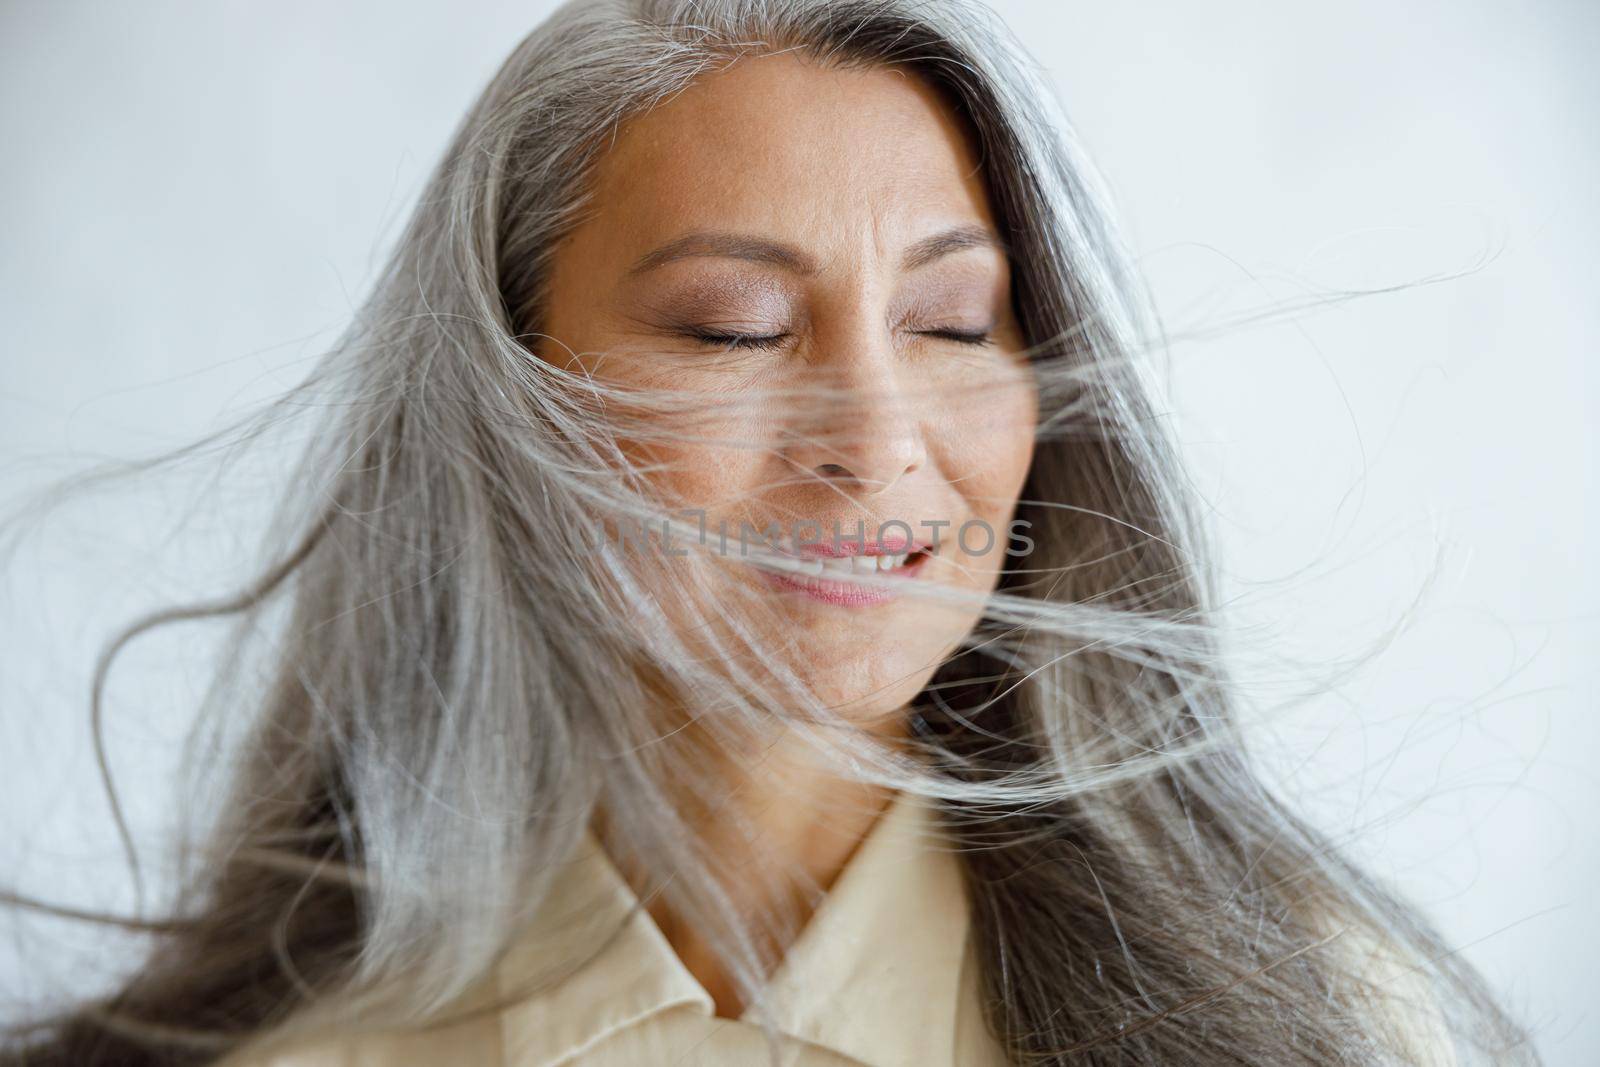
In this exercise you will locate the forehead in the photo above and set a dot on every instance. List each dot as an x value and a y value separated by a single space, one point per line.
853 159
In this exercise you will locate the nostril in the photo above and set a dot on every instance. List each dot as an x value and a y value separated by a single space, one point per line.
833 470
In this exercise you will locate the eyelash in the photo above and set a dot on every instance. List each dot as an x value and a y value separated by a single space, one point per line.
746 340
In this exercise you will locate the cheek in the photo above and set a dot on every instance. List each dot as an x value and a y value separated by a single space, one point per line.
720 481
718 460
989 458
993 431
705 449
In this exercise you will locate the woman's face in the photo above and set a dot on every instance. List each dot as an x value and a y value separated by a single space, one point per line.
775 226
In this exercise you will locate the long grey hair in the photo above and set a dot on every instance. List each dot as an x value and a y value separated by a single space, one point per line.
460 674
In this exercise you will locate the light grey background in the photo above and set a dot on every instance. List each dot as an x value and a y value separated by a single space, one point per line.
195 195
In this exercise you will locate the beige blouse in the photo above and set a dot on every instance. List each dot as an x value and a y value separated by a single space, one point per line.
882 974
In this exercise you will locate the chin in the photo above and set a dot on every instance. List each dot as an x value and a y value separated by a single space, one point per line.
875 687
870 672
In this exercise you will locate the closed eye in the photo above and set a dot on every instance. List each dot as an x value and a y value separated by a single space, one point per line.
973 337
739 340
752 340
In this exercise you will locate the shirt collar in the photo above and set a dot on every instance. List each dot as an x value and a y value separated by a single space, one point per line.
875 973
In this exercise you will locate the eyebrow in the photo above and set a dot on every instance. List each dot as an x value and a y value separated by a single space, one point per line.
787 257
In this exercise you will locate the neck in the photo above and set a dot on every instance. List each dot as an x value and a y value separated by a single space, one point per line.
785 812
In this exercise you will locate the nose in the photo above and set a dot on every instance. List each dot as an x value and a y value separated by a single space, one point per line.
864 434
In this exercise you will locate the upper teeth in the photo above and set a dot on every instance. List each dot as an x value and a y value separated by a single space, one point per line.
844 566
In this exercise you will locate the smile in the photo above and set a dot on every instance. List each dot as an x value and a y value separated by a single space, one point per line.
824 572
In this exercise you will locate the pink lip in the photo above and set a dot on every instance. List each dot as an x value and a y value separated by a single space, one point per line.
848 594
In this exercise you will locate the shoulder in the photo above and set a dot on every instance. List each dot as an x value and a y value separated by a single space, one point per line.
1399 987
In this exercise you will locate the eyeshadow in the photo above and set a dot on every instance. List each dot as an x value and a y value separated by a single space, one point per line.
716 296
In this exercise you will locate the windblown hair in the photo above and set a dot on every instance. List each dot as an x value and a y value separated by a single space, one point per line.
460 675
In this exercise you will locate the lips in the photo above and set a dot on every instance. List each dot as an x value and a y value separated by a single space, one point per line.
823 571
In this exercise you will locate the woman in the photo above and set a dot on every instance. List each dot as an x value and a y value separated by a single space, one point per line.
743 607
